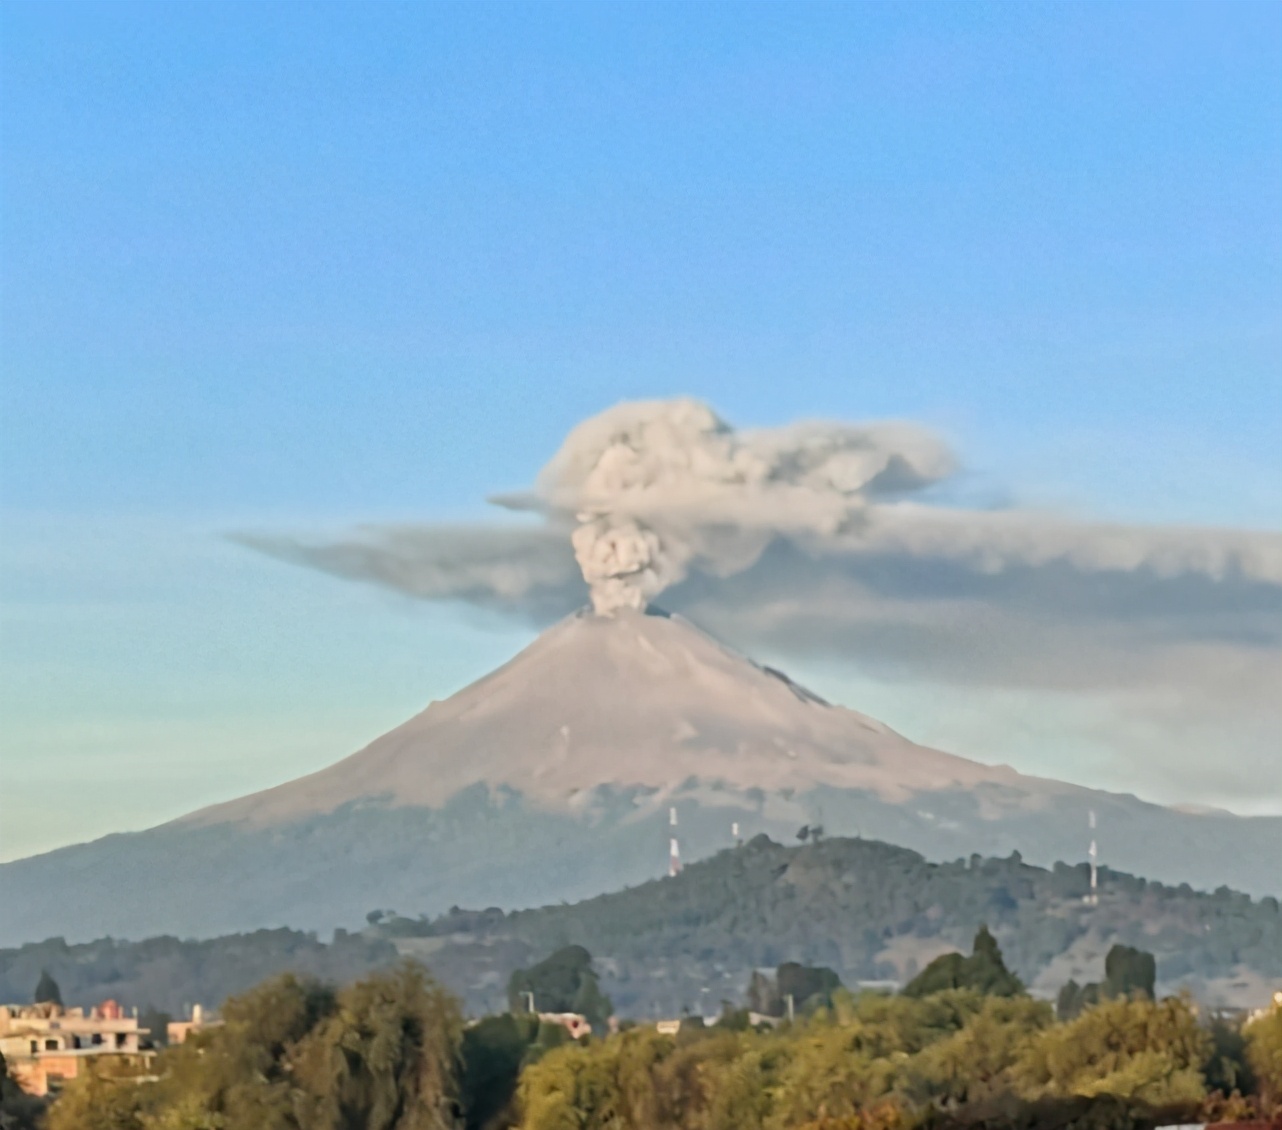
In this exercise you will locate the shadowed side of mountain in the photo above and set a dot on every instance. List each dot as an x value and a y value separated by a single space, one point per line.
493 847
867 909
874 911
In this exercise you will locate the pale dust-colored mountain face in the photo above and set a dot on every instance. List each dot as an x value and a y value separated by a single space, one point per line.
551 780
631 700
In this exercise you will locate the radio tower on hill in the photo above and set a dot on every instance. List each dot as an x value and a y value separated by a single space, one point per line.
1093 898
674 849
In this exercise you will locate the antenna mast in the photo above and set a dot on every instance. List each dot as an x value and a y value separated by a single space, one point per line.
674 849
1093 898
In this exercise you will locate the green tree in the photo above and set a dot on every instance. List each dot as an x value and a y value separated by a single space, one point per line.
563 982
691 1030
576 1088
105 1096
590 1002
1128 1047
242 1073
975 1063
809 986
1070 1000
385 1059
1127 971
984 971
956 1058
830 1072
1264 1053
1228 1068
382 1054
494 1050
47 991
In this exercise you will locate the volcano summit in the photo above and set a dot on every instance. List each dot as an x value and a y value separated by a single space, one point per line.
551 778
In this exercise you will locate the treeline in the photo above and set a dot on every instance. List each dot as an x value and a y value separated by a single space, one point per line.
846 903
168 973
962 1046
293 1053
390 1052
859 907
954 1058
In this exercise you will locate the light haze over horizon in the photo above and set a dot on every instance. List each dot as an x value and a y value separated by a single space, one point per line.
308 267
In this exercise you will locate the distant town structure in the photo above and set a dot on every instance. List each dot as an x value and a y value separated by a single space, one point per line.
177 1031
45 1044
574 1023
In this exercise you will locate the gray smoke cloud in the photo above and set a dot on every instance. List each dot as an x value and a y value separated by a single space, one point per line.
527 572
658 488
819 541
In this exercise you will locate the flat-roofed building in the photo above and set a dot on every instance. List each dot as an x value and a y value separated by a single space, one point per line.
45 1044
179 1030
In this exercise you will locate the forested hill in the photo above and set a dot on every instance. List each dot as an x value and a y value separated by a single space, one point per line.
172 974
872 911
868 910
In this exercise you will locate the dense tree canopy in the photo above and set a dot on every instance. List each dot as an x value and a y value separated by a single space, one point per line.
1127 972
1264 1053
167 973
808 986
1127 1047
984 971
563 982
494 1051
293 1054
392 1053
886 1062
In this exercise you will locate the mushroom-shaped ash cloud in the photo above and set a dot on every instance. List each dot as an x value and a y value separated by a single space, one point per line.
656 487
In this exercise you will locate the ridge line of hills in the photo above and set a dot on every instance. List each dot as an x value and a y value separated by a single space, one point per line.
869 910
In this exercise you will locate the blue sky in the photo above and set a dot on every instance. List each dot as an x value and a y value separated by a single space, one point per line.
302 263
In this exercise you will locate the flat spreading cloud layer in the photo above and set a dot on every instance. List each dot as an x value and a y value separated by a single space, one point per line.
818 541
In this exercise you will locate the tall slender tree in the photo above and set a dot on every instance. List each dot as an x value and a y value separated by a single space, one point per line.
47 991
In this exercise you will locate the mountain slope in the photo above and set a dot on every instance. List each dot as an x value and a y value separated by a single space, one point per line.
552 779
637 700
870 911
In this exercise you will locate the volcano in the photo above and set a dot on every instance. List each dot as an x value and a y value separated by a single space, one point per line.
639 700
554 777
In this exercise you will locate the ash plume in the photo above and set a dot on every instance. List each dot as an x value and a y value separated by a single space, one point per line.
656 488
822 544
812 522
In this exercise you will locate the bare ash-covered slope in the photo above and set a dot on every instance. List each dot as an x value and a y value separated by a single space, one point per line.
633 700
551 779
